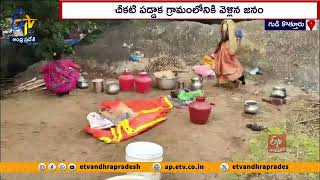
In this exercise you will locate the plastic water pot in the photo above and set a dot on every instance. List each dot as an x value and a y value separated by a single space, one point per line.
143 83
200 110
145 152
126 81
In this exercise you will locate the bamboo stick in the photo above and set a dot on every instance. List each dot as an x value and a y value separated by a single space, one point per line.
34 87
41 89
32 80
26 86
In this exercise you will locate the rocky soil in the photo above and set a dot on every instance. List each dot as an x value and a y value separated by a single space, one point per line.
291 56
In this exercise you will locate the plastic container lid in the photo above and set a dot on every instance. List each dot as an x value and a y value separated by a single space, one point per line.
144 150
128 177
126 71
143 73
200 98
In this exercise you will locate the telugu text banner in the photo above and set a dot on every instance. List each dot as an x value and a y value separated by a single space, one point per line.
188 10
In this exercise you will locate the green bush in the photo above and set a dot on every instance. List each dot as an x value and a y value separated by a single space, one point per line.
48 28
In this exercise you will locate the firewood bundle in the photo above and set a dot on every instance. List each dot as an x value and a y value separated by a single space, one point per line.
163 63
28 86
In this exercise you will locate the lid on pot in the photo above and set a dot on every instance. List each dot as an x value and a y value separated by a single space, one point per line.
97 80
84 84
112 82
250 102
143 73
81 79
279 88
195 79
200 98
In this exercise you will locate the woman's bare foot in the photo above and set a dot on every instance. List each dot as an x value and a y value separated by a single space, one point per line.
236 84
63 94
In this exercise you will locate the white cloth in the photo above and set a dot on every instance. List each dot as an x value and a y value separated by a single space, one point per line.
96 121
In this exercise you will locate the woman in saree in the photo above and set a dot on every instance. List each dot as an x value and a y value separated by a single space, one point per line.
60 75
227 64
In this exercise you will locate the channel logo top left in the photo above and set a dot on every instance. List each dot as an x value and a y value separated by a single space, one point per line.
21 28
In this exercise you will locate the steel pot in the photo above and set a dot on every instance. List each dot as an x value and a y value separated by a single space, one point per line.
82 83
180 85
196 83
97 85
251 107
112 87
279 92
166 83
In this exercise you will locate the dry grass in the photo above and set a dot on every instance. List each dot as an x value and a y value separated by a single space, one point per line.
306 118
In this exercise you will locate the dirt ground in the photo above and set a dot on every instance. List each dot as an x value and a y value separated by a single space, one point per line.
38 126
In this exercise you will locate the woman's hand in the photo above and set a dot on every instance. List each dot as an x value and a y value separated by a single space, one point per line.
212 55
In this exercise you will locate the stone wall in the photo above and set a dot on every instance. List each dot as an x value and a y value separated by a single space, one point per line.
284 54
280 54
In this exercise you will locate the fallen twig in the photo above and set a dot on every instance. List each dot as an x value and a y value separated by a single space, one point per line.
32 80
41 89
314 130
34 87
307 120
27 86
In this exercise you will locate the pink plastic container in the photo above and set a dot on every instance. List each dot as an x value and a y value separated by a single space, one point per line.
126 81
200 110
143 83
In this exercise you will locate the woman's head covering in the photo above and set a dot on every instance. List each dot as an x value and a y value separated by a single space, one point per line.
229 27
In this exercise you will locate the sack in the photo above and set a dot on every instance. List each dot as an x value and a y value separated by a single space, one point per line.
207 60
149 113
134 57
203 70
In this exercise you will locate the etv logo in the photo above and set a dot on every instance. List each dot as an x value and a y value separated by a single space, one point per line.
23 24
26 23
276 143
